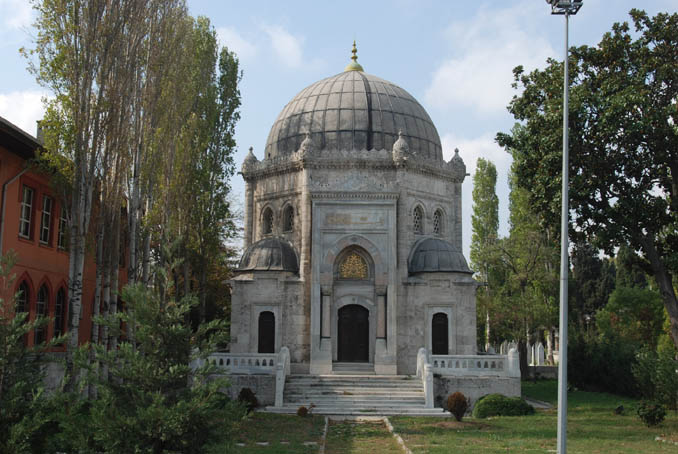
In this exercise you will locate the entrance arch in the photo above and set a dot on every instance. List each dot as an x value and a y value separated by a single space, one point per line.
353 334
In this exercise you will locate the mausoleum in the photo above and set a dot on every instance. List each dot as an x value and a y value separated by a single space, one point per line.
353 238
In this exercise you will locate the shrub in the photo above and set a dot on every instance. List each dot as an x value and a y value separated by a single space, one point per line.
651 413
499 405
602 364
656 377
247 397
302 411
457 404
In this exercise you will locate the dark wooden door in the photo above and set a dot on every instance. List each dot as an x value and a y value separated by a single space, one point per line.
439 334
266 332
354 334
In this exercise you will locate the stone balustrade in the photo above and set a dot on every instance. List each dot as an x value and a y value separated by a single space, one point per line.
245 363
476 365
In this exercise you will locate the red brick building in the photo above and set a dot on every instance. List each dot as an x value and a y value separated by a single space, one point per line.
33 225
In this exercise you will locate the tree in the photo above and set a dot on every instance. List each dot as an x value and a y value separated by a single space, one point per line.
485 224
593 281
624 144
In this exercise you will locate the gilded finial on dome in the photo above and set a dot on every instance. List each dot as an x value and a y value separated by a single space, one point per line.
354 65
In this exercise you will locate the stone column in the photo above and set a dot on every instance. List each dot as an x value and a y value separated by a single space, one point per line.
381 315
249 212
326 316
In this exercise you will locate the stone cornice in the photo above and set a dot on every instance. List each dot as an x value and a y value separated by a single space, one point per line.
354 195
347 160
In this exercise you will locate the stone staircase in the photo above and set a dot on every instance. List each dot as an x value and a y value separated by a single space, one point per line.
343 394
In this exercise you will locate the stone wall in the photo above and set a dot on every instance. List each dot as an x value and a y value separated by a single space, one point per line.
277 292
473 387
263 387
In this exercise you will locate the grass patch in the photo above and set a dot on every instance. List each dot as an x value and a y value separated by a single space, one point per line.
592 428
353 437
283 433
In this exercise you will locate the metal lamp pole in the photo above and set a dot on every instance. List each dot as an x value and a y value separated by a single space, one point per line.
566 8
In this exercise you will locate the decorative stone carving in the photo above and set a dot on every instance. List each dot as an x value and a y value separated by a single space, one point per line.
353 267
250 161
306 148
456 166
401 149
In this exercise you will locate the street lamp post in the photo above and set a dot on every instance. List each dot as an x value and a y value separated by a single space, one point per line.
566 8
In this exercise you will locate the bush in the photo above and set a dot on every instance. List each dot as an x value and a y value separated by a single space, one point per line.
602 364
457 404
302 411
247 397
656 377
499 405
651 413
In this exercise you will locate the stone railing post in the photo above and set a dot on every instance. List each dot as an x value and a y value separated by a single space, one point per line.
514 363
282 370
428 385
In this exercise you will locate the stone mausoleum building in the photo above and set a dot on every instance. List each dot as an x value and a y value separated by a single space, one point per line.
353 238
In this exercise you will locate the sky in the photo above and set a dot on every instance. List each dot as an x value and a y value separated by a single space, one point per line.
454 57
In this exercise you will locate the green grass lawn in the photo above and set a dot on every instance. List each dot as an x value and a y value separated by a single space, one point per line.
592 428
283 433
350 437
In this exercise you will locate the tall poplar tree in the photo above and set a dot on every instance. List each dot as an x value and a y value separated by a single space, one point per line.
485 225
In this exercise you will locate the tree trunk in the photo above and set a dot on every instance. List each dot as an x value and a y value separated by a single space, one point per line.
664 281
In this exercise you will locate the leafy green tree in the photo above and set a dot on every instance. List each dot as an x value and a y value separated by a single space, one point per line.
593 281
630 269
624 144
633 313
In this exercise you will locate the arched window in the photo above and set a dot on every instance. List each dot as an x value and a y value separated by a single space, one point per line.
60 312
22 298
288 219
353 266
266 332
439 335
41 311
267 221
418 220
438 222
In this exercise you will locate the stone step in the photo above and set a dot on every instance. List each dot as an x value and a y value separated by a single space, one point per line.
321 391
386 411
374 399
372 387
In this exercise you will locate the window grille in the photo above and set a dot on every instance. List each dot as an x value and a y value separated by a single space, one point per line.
288 219
417 220
438 222
267 221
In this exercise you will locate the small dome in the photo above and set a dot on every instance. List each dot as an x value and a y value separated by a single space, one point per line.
270 254
433 255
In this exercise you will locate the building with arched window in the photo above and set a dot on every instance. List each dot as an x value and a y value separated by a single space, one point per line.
365 268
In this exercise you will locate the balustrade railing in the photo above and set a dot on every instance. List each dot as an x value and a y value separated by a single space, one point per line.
476 365
245 363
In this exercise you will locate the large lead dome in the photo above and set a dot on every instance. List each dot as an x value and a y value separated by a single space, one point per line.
354 111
